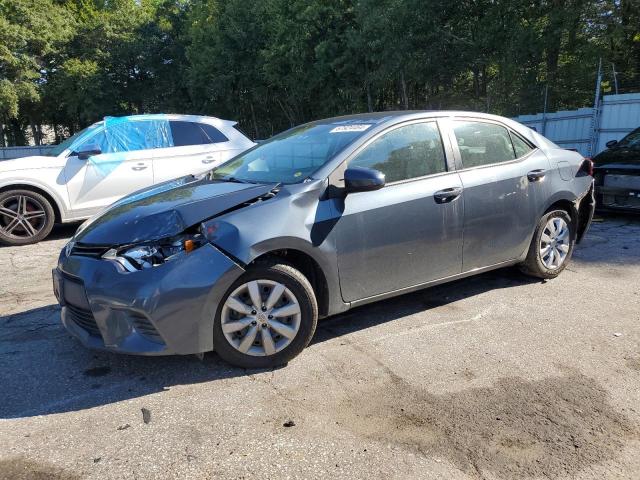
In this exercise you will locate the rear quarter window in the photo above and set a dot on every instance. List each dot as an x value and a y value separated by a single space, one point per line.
520 147
213 134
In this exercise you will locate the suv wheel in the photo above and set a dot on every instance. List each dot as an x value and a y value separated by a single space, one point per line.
25 217
266 318
551 246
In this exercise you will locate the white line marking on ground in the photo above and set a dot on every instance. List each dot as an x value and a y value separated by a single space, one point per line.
477 316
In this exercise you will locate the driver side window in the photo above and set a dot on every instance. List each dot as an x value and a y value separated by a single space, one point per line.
407 152
99 139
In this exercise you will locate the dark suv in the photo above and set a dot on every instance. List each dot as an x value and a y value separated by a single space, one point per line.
617 174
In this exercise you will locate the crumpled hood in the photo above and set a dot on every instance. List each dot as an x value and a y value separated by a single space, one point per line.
165 210
26 163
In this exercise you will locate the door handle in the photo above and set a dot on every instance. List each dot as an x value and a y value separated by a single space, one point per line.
140 166
535 175
447 195
208 160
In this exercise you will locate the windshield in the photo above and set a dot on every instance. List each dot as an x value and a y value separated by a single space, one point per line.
61 147
293 155
631 141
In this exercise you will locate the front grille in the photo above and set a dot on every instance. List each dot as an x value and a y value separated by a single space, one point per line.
84 319
145 328
88 251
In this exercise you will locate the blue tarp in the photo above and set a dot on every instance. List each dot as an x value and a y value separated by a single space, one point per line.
126 134
145 132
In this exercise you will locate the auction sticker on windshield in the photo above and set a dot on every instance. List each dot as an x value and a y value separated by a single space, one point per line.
350 128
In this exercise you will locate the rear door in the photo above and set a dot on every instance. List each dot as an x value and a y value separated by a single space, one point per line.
197 147
503 180
410 231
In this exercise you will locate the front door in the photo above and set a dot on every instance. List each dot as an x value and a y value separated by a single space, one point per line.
410 231
503 180
100 180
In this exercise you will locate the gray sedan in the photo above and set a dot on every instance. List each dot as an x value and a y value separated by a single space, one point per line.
317 220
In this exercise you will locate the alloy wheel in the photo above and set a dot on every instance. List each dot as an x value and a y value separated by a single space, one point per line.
260 317
554 243
22 217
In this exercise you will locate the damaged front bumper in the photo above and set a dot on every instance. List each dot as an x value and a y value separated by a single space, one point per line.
167 309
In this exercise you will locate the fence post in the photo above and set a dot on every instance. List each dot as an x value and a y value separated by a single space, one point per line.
595 120
544 111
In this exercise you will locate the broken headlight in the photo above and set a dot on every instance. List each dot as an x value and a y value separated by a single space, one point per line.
152 254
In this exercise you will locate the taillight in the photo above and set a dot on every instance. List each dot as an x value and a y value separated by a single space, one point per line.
587 166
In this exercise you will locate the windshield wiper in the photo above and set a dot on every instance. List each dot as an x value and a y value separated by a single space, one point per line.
241 180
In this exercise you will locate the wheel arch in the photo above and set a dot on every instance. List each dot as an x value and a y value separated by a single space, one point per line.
308 266
58 210
580 209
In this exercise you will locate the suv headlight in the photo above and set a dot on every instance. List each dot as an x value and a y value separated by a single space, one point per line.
152 254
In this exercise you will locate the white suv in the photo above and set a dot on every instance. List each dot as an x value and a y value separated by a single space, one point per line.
104 162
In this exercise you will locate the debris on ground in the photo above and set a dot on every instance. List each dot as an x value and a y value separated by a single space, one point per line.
289 423
146 415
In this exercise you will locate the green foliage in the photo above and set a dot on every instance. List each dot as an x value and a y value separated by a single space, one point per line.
271 64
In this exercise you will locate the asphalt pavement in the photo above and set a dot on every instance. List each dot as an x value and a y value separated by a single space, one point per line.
497 376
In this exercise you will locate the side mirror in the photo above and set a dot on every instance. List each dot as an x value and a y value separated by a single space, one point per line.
360 179
611 143
89 150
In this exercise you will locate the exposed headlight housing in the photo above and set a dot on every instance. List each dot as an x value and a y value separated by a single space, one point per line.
69 247
152 254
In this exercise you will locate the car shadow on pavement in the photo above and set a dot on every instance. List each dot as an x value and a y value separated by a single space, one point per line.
373 314
43 370
63 230
59 231
613 237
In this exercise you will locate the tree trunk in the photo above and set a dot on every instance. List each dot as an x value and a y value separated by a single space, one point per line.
476 82
286 112
255 123
369 99
34 132
403 85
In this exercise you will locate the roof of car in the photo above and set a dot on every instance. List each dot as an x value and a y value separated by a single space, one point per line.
380 117
176 116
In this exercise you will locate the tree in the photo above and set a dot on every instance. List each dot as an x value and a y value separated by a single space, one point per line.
271 64
30 32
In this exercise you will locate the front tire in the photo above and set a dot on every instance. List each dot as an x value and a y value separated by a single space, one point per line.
26 217
266 318
551 246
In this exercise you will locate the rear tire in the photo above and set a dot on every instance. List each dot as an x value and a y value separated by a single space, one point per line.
551 246
26 217
253 328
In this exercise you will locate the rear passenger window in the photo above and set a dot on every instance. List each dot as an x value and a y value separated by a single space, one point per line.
192 133
407 152
482 143
187 133
520 146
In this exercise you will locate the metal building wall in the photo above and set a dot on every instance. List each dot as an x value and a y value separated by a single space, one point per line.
620 115
617 116
8 153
